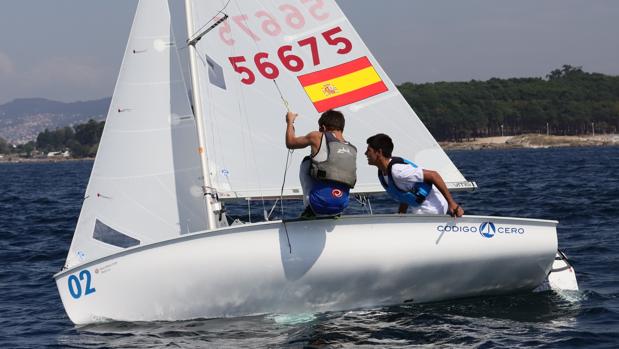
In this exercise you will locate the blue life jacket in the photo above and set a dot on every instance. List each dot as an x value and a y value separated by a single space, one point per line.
415 197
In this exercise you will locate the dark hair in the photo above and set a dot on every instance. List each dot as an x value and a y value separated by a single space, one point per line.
381 142
332 120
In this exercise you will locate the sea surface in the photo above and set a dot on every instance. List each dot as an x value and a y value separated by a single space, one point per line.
40 203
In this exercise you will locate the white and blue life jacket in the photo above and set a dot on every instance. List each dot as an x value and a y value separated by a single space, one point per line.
415 197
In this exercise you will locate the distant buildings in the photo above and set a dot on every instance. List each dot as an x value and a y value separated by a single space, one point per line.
59 154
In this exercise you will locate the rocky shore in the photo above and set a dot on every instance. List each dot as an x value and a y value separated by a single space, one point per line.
533 141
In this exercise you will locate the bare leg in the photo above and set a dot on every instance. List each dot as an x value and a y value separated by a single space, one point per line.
307 182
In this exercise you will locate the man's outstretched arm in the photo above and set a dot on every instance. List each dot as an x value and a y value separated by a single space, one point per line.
435 179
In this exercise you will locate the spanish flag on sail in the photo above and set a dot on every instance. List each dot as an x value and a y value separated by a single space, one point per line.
343 84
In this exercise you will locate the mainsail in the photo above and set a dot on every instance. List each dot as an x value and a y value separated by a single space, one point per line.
145 184
308 50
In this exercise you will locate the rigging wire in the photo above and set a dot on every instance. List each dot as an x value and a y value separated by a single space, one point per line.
193 39
220 12
364 201
196 38
267 217
249 210
257 45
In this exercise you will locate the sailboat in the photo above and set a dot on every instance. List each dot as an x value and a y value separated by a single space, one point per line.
153 241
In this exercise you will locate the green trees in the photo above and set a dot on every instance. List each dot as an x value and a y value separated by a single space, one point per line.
4 146
82 140
55 140
569 101
87 138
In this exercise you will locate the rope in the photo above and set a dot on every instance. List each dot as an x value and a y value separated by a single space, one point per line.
281 198
281 95
289 153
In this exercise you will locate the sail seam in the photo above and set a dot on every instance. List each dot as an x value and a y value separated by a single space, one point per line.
151 130
154 83
316 29
176 171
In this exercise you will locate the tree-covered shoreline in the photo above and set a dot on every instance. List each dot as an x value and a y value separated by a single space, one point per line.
567 102
80 140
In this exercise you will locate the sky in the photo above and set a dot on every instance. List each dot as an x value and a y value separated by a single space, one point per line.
71 50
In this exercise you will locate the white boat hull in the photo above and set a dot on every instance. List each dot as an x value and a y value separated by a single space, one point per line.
317 265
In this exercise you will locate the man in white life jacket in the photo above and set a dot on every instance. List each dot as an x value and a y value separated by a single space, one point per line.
331 169
410 185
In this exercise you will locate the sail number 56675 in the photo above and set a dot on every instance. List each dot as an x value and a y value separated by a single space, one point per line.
289 60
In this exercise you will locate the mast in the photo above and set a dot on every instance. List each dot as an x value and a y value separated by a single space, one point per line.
211 201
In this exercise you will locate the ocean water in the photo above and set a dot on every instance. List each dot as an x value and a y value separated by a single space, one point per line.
40 202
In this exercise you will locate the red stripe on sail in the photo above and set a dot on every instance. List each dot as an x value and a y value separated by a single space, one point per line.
334 72
351 97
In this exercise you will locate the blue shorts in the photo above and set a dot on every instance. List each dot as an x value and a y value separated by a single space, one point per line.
328 198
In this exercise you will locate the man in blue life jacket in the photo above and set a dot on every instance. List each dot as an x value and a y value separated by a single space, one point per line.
331 169
410 185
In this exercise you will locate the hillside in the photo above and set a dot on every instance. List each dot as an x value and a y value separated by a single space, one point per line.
21 120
